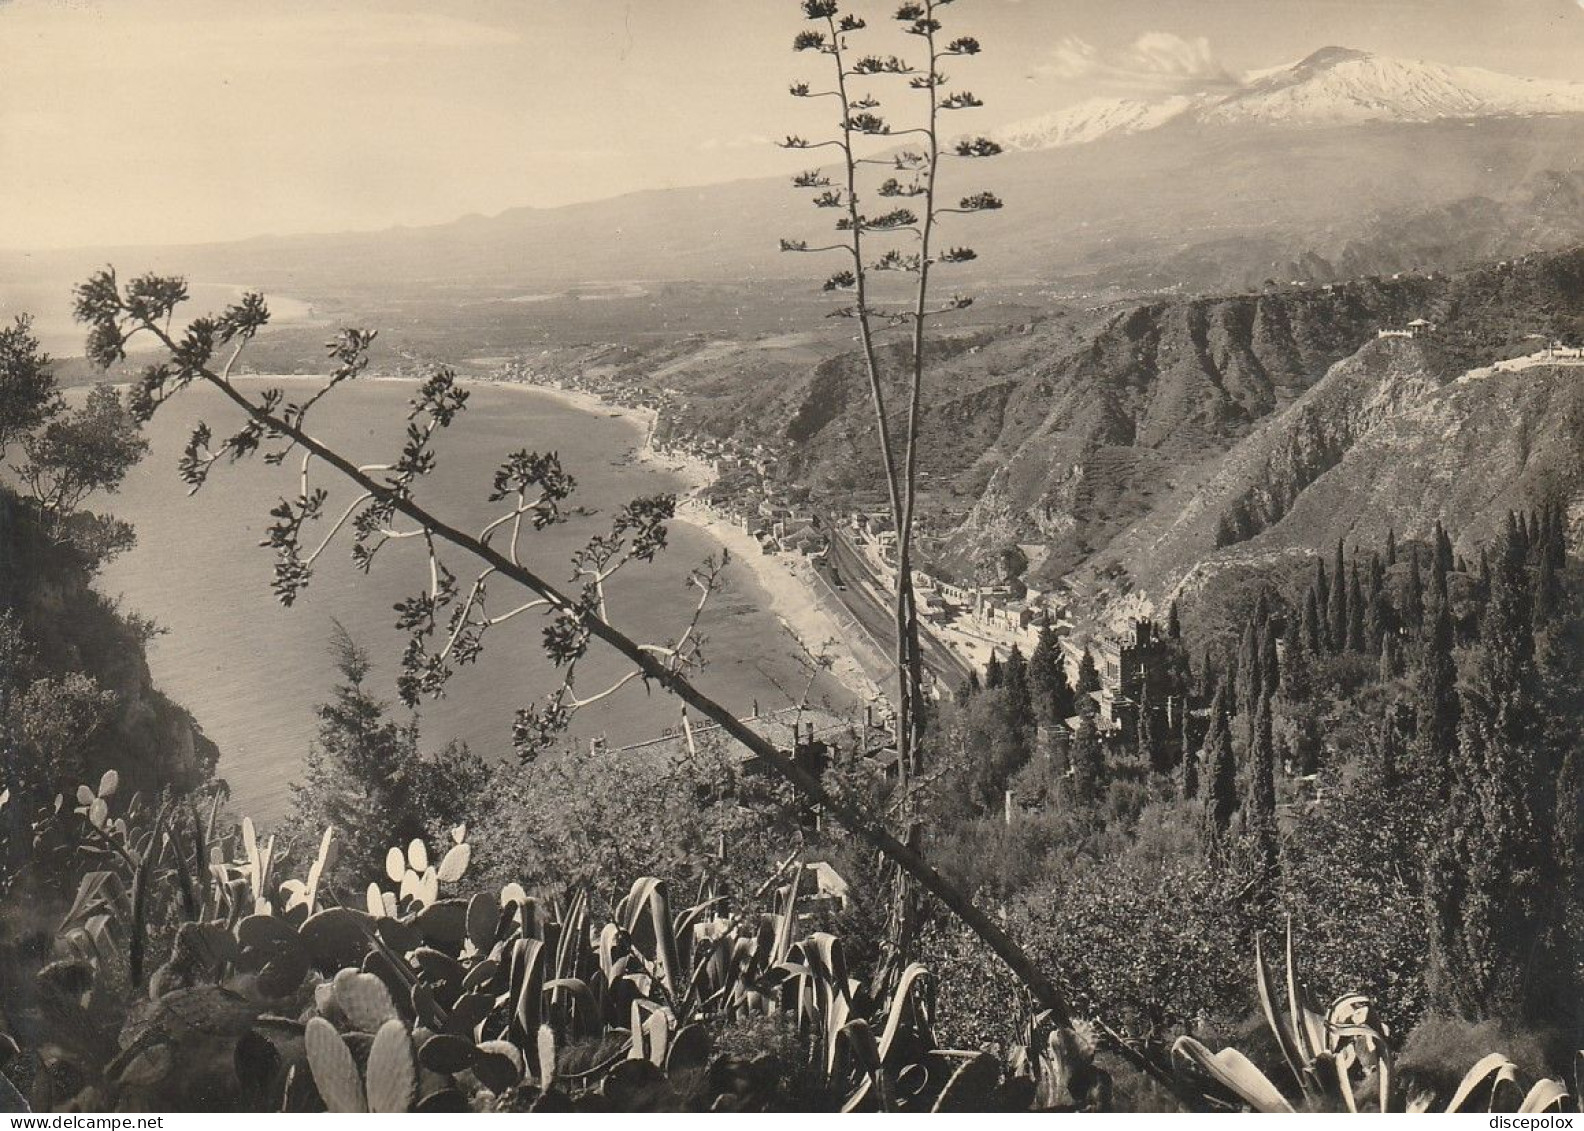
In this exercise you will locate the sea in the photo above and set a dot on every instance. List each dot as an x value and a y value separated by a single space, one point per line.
251 670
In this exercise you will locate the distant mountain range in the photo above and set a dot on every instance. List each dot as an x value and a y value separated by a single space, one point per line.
1343 164
1336 86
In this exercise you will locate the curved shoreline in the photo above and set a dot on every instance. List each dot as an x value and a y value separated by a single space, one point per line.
787 581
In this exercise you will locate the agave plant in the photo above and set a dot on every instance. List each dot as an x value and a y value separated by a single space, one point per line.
1341 1060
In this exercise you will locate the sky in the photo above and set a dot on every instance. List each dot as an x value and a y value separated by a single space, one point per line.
128 122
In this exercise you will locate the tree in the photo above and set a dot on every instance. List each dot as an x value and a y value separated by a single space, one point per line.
1053 697
1313 632
1190 756
1492 882
1413 592
1322 592
1355 626
914 205
1249 689
1020 698
1221 784
1087 760
1269 662
1339 602
366 777
1088 684
995 674
1436 713
27 383
1259 805
84 452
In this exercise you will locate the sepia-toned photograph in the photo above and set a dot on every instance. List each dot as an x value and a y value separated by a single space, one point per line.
791 556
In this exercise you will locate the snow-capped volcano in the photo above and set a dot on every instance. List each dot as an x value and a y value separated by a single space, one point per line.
1334 86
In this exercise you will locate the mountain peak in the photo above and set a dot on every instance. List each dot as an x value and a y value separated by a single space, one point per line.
1328 57
1334 86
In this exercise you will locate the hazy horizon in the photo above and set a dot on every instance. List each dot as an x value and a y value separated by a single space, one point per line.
170 122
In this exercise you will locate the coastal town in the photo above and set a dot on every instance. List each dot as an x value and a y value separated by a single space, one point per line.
844 562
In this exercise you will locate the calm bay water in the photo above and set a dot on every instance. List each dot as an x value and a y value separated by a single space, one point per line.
251 670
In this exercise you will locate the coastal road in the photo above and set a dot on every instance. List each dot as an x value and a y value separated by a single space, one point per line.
846 567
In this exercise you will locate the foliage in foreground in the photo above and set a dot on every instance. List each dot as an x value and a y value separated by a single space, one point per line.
272 996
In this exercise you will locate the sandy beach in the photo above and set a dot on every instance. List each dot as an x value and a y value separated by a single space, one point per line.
787 578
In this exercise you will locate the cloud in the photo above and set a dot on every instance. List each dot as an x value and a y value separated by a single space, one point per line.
1156 62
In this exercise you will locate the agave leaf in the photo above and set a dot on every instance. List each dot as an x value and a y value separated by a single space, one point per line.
1231 1073
1545 1095
1506 1094
1276 1022
1304 1039
788 918
857 1036
334 1072
657 1036
528 961
1484 1070
392 1070
907 1008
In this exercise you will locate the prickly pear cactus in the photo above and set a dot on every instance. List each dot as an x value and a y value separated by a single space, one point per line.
392 1070
335 1073
364 999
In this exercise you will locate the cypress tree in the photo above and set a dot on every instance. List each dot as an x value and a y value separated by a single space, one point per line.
1088 684
1087 762
1443 550
1390 659
1269 661
1260 801
1436 711
1020 698
1413 593
1053 697
1391 548
1189 766
1313 639
1339 602
1322 592
1248 691
993 674
1221 792
1355 626
1173 623
1297 673
1490 901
